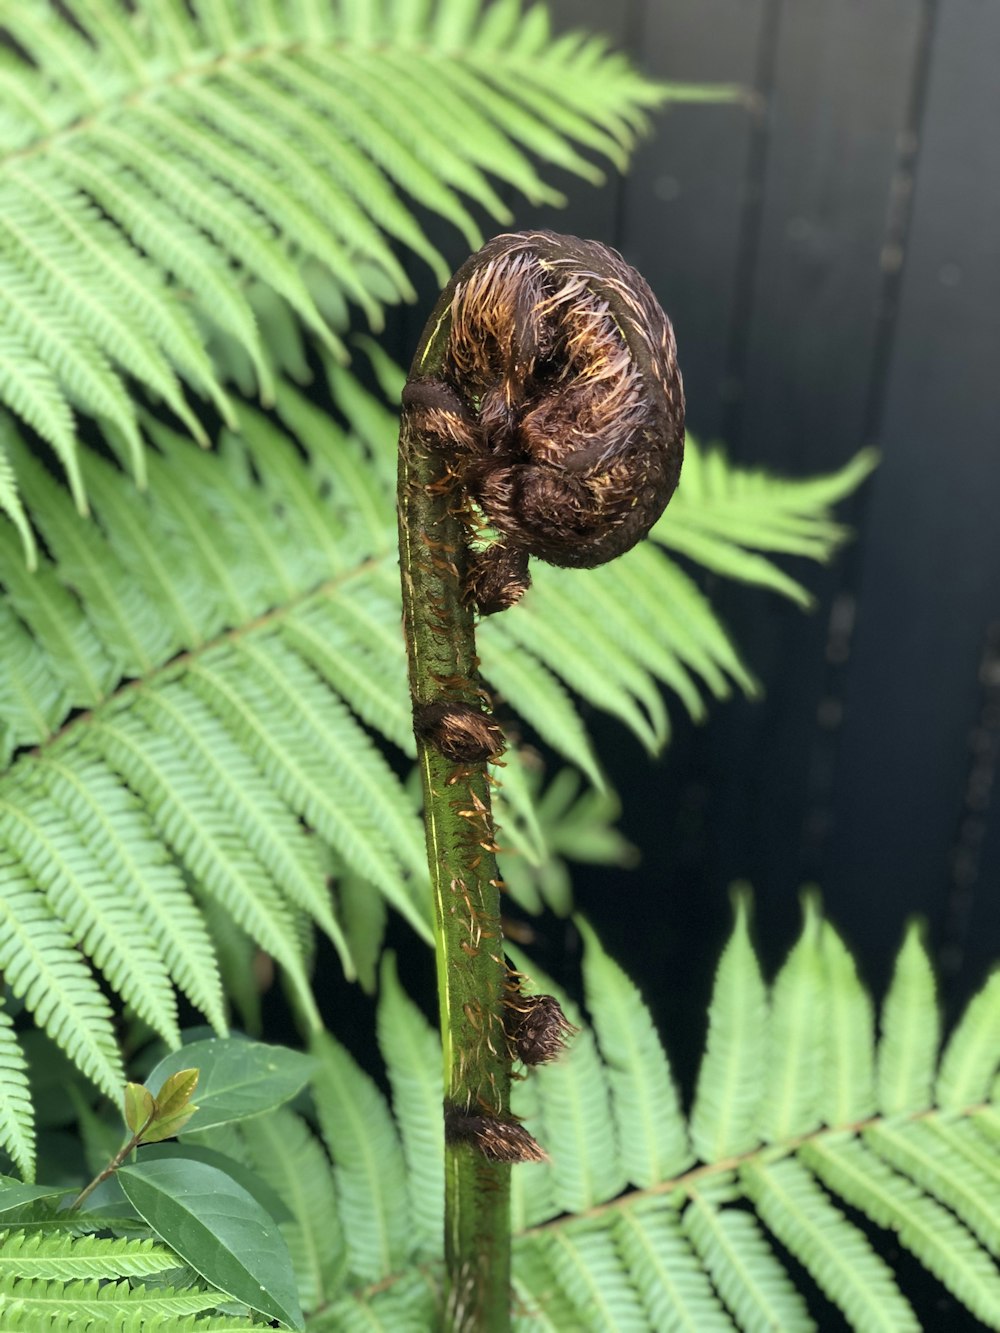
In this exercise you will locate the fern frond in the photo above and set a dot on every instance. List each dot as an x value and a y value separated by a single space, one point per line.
86 1298
279 142
727 1097
699 1245
911 1028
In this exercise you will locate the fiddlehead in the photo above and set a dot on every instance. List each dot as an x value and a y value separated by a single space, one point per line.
558 400
543 415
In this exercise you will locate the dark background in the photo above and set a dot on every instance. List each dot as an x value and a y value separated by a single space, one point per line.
828 248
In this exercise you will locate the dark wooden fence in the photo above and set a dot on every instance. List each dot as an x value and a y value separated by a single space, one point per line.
829 250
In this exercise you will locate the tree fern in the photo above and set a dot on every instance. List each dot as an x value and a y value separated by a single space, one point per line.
189 737
633 1229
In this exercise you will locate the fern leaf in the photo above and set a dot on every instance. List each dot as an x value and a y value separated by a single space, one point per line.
411 1050
916 1151
87 1299
938 1240
268 827
288 1157
644 1101
590 1272
575 1101
41 967
63 1257
190 819
674 1289
911 1028
971 1056
368 1162
794 1062
743 1268
17 1128
110 821
849 1037
840 1259
102 921
724 1117
10 500
532 1199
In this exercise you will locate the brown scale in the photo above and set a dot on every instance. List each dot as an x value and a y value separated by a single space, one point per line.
561 403
498 1138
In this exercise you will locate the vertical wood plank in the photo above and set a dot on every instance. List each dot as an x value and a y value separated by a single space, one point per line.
931 578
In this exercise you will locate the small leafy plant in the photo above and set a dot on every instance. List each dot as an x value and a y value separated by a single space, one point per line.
205 731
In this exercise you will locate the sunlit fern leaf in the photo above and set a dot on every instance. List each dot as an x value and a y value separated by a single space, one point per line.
848 1045
793 1066
87 1298
575 1111
65 1256
282 143
969 1059
833 1251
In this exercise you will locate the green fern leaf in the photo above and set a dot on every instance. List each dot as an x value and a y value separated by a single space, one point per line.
793 1068
938 1240
743 1268
369 1168
17 1129
971 1057
724 1117
41 966
911 1027
848 1057
647 1112
576 1112
63 1257
837 1255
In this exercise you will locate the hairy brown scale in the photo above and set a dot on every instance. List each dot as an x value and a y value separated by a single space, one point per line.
560 405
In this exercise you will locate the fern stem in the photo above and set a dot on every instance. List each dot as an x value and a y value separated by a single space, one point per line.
544 412
464 879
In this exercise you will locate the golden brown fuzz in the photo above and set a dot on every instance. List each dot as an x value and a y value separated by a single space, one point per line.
460 731
562 402
536 1027
499 1140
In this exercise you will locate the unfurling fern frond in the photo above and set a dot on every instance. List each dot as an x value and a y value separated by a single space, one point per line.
649 1219
190 740
152 155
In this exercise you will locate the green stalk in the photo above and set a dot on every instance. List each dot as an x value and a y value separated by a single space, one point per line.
471 971
544 403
